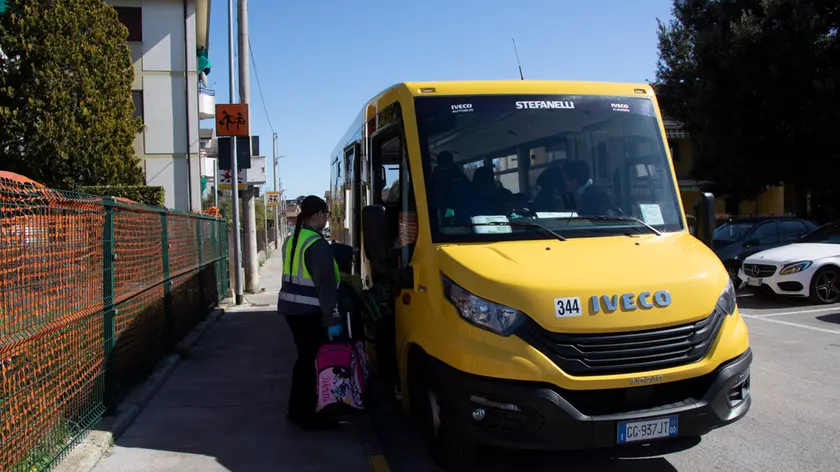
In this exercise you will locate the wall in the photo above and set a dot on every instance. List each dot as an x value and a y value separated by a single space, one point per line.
770 202
683 155
169 143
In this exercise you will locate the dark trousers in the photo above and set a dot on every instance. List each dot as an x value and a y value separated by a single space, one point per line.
385 334
309 334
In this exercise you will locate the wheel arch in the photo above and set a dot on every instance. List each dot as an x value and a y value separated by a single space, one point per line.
416 367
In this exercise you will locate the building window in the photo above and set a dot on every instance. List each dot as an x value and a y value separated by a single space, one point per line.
132 18
137 96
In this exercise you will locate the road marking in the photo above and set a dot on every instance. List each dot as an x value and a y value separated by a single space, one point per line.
788 323
783 313
378 463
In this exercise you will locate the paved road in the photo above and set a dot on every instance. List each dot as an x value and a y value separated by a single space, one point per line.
223 408
794 422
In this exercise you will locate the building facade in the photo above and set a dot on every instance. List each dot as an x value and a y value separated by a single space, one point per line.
773 201
168 39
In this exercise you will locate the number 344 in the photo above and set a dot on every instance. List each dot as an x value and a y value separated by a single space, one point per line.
566 307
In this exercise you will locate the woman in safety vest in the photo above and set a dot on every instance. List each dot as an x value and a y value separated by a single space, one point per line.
308 300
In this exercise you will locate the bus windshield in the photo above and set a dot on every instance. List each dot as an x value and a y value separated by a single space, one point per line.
508 167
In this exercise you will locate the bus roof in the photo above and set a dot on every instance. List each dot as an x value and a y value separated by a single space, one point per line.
548 87
497 87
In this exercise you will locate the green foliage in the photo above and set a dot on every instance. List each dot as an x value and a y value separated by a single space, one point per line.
226 207
756 85
154 196
65 94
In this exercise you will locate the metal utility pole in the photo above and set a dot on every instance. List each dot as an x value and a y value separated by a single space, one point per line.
276 208
234 168
265 222
250 262
216 180
284 231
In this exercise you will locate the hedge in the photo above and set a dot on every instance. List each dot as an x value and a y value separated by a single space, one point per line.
154 196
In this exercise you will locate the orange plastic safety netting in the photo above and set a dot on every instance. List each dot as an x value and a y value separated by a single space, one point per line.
83 276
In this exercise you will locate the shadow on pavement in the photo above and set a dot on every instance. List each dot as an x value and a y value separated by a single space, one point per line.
571 462
832 318
763 301
223 409
635 459
404 448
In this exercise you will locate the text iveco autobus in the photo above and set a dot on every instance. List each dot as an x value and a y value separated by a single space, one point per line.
546 291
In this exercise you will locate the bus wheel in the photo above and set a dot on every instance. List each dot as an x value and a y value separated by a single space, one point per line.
450 446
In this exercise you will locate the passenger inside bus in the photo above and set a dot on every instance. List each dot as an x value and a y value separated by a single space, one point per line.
550 194
589 199
452 190
518 202
488 198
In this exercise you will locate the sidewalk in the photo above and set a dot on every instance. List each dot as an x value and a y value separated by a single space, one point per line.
223 408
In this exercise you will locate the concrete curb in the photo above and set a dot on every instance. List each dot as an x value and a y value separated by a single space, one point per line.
96 443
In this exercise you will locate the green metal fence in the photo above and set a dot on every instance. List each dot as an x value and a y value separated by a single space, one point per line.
95 291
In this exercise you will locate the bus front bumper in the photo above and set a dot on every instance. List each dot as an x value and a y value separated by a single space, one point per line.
535 416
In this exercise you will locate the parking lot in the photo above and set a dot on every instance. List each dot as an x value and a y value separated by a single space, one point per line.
793 425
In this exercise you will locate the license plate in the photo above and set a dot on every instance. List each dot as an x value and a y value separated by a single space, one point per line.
632 431
753 282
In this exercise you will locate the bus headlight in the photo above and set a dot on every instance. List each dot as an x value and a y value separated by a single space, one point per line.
727 301
500 319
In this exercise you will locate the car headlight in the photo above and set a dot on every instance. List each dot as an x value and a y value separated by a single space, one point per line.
500 319
795 267
727 302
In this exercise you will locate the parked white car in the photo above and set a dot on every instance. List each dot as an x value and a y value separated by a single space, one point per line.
810 267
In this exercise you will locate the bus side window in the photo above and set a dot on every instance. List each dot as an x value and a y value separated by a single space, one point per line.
397 194
408 213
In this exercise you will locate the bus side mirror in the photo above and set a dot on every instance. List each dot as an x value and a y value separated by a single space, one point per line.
375 233
705 217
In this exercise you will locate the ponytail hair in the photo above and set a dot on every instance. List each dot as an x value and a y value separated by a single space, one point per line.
309 207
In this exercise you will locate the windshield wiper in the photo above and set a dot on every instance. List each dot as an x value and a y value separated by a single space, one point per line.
514 224
624 218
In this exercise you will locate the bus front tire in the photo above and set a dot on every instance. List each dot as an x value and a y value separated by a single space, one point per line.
450 446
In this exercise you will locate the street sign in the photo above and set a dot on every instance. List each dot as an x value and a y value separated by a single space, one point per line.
253 176
232 120
225 182
243 152
272 199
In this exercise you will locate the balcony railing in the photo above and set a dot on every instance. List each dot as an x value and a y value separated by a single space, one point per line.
206 103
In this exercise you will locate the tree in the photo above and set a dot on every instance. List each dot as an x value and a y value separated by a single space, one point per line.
755 83
66 112
226 207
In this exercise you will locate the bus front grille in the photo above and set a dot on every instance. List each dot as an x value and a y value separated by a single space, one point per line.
628 352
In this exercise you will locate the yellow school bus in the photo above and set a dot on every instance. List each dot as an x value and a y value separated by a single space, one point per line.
546 291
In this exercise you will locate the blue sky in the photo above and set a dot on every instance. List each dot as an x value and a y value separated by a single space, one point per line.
319 61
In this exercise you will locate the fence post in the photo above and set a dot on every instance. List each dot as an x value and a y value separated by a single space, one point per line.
226 256
199 236
109 308
169 329
216 257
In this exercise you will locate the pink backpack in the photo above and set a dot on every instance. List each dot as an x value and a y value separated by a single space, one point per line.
341 369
